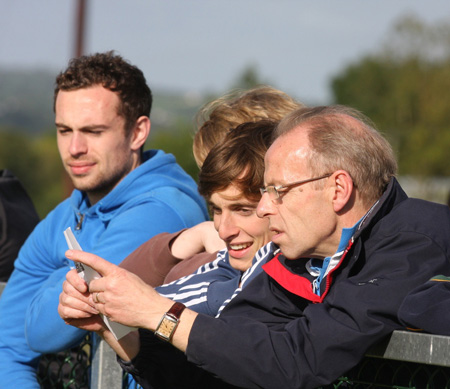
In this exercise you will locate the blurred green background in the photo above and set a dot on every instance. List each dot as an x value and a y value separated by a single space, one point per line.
403 86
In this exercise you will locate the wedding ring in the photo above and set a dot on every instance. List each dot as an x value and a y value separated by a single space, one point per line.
96 298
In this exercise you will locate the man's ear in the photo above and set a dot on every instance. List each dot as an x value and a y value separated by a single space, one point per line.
343 190
141 131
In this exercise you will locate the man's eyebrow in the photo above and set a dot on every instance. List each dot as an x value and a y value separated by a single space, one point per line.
212 205
243 205
238 204
84 128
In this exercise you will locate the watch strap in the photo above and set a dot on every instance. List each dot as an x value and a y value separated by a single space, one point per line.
176 310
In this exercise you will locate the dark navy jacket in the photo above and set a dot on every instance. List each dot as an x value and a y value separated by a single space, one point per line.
427 307
277 333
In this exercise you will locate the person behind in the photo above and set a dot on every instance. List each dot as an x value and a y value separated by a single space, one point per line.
18 217
123 196
170 256
217 117
353 245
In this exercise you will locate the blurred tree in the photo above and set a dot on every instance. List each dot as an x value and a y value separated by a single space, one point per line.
249 78
404 90
176 136
50 189
36 162
178 141
15 153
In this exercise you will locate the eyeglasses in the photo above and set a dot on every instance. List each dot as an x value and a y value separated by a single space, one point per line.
275 191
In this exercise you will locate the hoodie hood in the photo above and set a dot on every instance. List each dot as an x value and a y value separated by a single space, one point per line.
158 176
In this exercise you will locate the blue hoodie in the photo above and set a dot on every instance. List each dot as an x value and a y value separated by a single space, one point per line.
156 197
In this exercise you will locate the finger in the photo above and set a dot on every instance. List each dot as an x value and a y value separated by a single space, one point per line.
68 313
69 289
96 301
95 262
98 285
76 281
94 323
97 298
76 303
70 292
101 308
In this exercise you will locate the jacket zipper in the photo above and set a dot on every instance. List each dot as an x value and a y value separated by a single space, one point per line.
330 275
80 222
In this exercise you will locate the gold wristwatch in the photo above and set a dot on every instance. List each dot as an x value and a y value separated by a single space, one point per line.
169 322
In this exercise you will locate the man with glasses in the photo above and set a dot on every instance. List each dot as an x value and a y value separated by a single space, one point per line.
352 246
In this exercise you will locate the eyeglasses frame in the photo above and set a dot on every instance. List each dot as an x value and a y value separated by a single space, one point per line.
283 189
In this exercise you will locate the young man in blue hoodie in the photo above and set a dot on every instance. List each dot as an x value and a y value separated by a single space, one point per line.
123 196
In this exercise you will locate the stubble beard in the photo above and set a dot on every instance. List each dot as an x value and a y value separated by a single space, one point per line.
100 185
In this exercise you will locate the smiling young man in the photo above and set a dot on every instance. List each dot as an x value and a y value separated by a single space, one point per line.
123 196
229 179
238 226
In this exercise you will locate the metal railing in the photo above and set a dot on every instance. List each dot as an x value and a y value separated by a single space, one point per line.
405 360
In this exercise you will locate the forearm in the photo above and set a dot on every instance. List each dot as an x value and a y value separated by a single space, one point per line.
181 336
197 239
250 354
187 244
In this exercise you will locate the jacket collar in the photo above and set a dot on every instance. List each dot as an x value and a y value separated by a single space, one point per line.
292 274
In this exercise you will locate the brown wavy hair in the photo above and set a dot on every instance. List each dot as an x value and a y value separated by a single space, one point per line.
216 118
238 160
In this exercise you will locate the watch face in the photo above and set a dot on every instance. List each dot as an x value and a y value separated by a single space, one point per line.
166 328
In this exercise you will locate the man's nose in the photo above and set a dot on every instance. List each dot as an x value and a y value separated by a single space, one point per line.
266 206
78 144
227 227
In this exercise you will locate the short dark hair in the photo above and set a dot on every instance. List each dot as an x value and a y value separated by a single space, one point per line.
238 160
114 73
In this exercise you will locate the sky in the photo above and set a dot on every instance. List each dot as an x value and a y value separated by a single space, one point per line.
198 46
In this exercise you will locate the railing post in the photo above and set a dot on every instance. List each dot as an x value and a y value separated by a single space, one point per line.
106 372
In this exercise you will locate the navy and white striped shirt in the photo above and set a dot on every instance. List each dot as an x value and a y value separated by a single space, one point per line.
215 284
